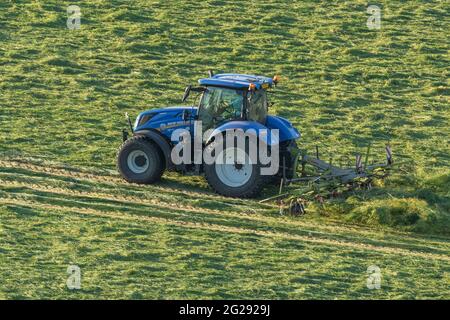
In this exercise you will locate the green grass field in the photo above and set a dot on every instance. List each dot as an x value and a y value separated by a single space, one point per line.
63 94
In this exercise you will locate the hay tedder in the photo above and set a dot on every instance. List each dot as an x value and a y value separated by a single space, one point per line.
317 179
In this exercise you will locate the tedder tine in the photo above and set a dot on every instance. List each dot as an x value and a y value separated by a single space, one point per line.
389 155
366 160
359 167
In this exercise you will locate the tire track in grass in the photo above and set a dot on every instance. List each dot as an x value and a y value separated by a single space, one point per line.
14 164
109 196
30 177
407 243
116 182
222 228
254 222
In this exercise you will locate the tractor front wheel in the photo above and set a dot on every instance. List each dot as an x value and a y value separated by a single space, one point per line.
139 160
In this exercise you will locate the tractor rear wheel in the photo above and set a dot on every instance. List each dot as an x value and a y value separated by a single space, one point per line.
139 160
236 177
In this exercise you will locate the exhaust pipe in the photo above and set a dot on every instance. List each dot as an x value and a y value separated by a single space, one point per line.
129 122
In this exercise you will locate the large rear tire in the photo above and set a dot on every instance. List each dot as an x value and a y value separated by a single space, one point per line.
239 179
139 160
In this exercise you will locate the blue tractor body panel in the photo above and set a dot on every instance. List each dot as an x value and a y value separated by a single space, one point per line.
165 120
286 130
245 126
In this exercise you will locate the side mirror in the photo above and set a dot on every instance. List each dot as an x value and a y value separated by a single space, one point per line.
187 91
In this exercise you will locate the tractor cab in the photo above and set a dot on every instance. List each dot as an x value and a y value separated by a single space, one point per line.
228 97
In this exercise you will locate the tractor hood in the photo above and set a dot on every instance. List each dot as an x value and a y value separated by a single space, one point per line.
165 119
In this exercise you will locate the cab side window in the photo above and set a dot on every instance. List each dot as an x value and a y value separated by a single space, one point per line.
258 106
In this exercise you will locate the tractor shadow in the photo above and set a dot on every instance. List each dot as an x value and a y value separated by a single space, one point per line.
174 180
198 184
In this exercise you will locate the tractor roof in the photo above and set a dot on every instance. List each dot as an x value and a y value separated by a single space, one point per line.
237 81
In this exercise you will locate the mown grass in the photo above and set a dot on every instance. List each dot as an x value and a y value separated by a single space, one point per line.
134 243
62 98
141 249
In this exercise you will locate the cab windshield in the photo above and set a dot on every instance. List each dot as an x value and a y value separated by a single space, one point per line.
219 105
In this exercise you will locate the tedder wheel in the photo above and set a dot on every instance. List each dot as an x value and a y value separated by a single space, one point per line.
139 160
236 177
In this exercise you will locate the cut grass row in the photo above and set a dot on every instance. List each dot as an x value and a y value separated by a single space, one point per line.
130 257
61 191
144 249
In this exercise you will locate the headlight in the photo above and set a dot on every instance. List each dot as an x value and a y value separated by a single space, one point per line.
143 120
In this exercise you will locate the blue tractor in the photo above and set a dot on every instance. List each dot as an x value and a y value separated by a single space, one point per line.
226 102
